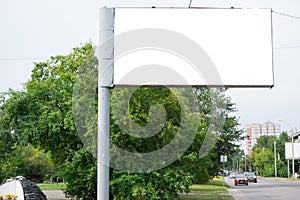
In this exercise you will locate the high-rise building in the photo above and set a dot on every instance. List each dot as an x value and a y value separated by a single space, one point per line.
253 131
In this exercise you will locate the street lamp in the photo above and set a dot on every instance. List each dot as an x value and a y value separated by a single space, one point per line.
293 160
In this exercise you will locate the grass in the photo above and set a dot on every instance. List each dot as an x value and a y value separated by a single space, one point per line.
51 186
213 190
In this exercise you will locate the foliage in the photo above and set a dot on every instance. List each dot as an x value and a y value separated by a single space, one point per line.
162 184
266 141
43 115
263 161
80 174
263 155
27 161
216 110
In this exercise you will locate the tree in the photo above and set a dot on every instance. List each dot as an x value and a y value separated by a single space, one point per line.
263 160
216 109
263 155
80 174
266 141
43 115
280 148
29 162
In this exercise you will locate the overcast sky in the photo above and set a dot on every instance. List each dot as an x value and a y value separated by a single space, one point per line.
34 30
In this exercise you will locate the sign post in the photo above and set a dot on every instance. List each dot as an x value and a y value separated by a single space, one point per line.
125 20
105 77
223 160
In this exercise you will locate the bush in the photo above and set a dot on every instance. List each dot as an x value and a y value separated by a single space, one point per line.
27 161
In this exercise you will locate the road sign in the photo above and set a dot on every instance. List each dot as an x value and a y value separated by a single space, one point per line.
223 158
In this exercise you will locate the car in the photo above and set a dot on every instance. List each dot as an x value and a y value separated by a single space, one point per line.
251 177
232 175
240 179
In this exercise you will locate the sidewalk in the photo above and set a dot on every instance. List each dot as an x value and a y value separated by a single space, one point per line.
54 194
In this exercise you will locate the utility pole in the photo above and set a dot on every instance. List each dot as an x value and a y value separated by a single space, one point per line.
245 163
293 160
275 159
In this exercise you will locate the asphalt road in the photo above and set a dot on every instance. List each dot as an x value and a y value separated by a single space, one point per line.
54 194
265 189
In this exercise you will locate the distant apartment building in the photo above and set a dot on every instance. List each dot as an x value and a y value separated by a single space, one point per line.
253 131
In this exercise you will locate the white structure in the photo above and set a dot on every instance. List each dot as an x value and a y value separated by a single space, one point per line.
222 39
255 130
12 187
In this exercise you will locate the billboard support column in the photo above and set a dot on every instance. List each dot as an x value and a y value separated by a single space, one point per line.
293 160
105 82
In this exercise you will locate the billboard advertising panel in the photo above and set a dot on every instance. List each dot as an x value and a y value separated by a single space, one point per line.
179 46
288 150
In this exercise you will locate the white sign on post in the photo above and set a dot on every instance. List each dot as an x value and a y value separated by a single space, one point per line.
234 47
223 158
288 151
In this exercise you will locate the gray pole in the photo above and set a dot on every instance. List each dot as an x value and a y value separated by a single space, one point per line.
245 163
288 166
105 77
223 172
293 160
275 159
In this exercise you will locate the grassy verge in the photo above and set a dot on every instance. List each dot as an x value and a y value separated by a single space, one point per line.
213 190
51 186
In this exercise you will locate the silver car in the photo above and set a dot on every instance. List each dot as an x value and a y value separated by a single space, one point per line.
251 177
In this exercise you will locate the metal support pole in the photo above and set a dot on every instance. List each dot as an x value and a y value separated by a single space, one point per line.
293 160
105 78
288 168
275 159
223 173
245 163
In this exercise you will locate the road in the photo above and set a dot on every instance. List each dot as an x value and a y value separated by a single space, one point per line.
265 189
54 195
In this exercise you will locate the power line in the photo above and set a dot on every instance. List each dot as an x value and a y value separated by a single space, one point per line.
286 15
287 47
21 59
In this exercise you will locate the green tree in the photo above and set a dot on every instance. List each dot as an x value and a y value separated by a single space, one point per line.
263 161
42 115
217 109
80 174
29 162
266 141
264 148
280 149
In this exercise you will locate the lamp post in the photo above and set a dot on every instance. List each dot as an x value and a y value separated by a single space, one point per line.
293 160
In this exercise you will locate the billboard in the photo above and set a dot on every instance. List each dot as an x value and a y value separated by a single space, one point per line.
197 47
288 150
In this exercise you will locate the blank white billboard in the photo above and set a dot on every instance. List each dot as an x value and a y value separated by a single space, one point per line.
288 151
197 47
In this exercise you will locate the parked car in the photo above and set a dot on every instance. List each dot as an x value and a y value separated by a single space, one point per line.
232 175
240 179
251 177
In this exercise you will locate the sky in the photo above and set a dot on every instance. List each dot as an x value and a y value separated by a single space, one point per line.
33 30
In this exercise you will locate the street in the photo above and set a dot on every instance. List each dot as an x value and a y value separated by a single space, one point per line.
265 188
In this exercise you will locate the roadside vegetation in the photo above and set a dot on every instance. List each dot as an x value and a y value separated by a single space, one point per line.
262 157
52 186
212 190
39 137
